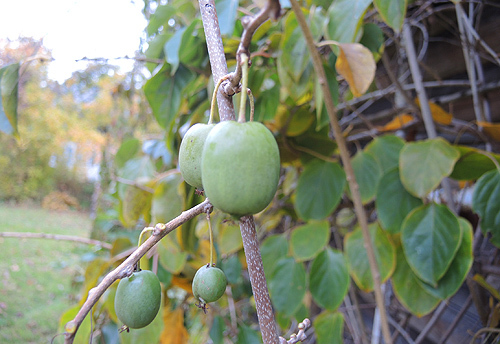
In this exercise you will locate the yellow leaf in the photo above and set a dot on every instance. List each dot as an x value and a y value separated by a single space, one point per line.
356 64
439 115
174 331
397 123
491 129
183 283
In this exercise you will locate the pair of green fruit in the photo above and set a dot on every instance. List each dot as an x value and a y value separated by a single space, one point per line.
236 164
138 297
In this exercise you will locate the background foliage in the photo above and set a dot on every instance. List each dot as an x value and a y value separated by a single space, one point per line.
426 239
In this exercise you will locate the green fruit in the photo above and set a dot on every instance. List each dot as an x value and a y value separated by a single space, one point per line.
209 284
138 298
190 153
240 167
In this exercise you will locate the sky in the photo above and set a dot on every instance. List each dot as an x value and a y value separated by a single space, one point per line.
74 29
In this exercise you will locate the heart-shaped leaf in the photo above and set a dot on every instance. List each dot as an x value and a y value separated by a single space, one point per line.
385 149
430 238
393 202
408 289
287 285
368 173
329 279
319 189
424 164
308 240
357 259
460 266
486 202
329 327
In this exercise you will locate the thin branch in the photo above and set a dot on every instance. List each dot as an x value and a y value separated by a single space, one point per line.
127 267
134 183
428 327
344 153
457 319
80 240
272 9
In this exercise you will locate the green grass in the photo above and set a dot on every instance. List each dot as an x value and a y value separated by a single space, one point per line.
36 274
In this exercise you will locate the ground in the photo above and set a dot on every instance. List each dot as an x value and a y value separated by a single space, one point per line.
37 275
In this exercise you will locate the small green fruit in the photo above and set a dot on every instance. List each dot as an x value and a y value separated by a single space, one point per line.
190 153
240 167
138 298
209 284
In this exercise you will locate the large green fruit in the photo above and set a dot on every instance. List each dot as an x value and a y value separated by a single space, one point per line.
240 167
138 298
209 284
190 153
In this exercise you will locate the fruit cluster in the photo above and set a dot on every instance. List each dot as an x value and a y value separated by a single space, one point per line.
236 164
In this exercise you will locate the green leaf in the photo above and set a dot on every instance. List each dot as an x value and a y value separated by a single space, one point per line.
329 279
171 49
368 173
155 50
408 290
308 240
345 18
229 239
139 169
171 256
393 12
83 334
232 268
385 149
430 237
9 82
295 56
473 163
373 39
128 150
267 103
460 266
319 189
168 200
357 258
164 93
133 203
287 285
248 336
272 249
160 18
329 327
486 202
322 118
422 165
393 202
226 10
217 330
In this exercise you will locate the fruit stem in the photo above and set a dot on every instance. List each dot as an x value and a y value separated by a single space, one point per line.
244 84
211 240
252 104
214 98
145 230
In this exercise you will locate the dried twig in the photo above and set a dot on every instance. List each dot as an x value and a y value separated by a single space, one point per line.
80 240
